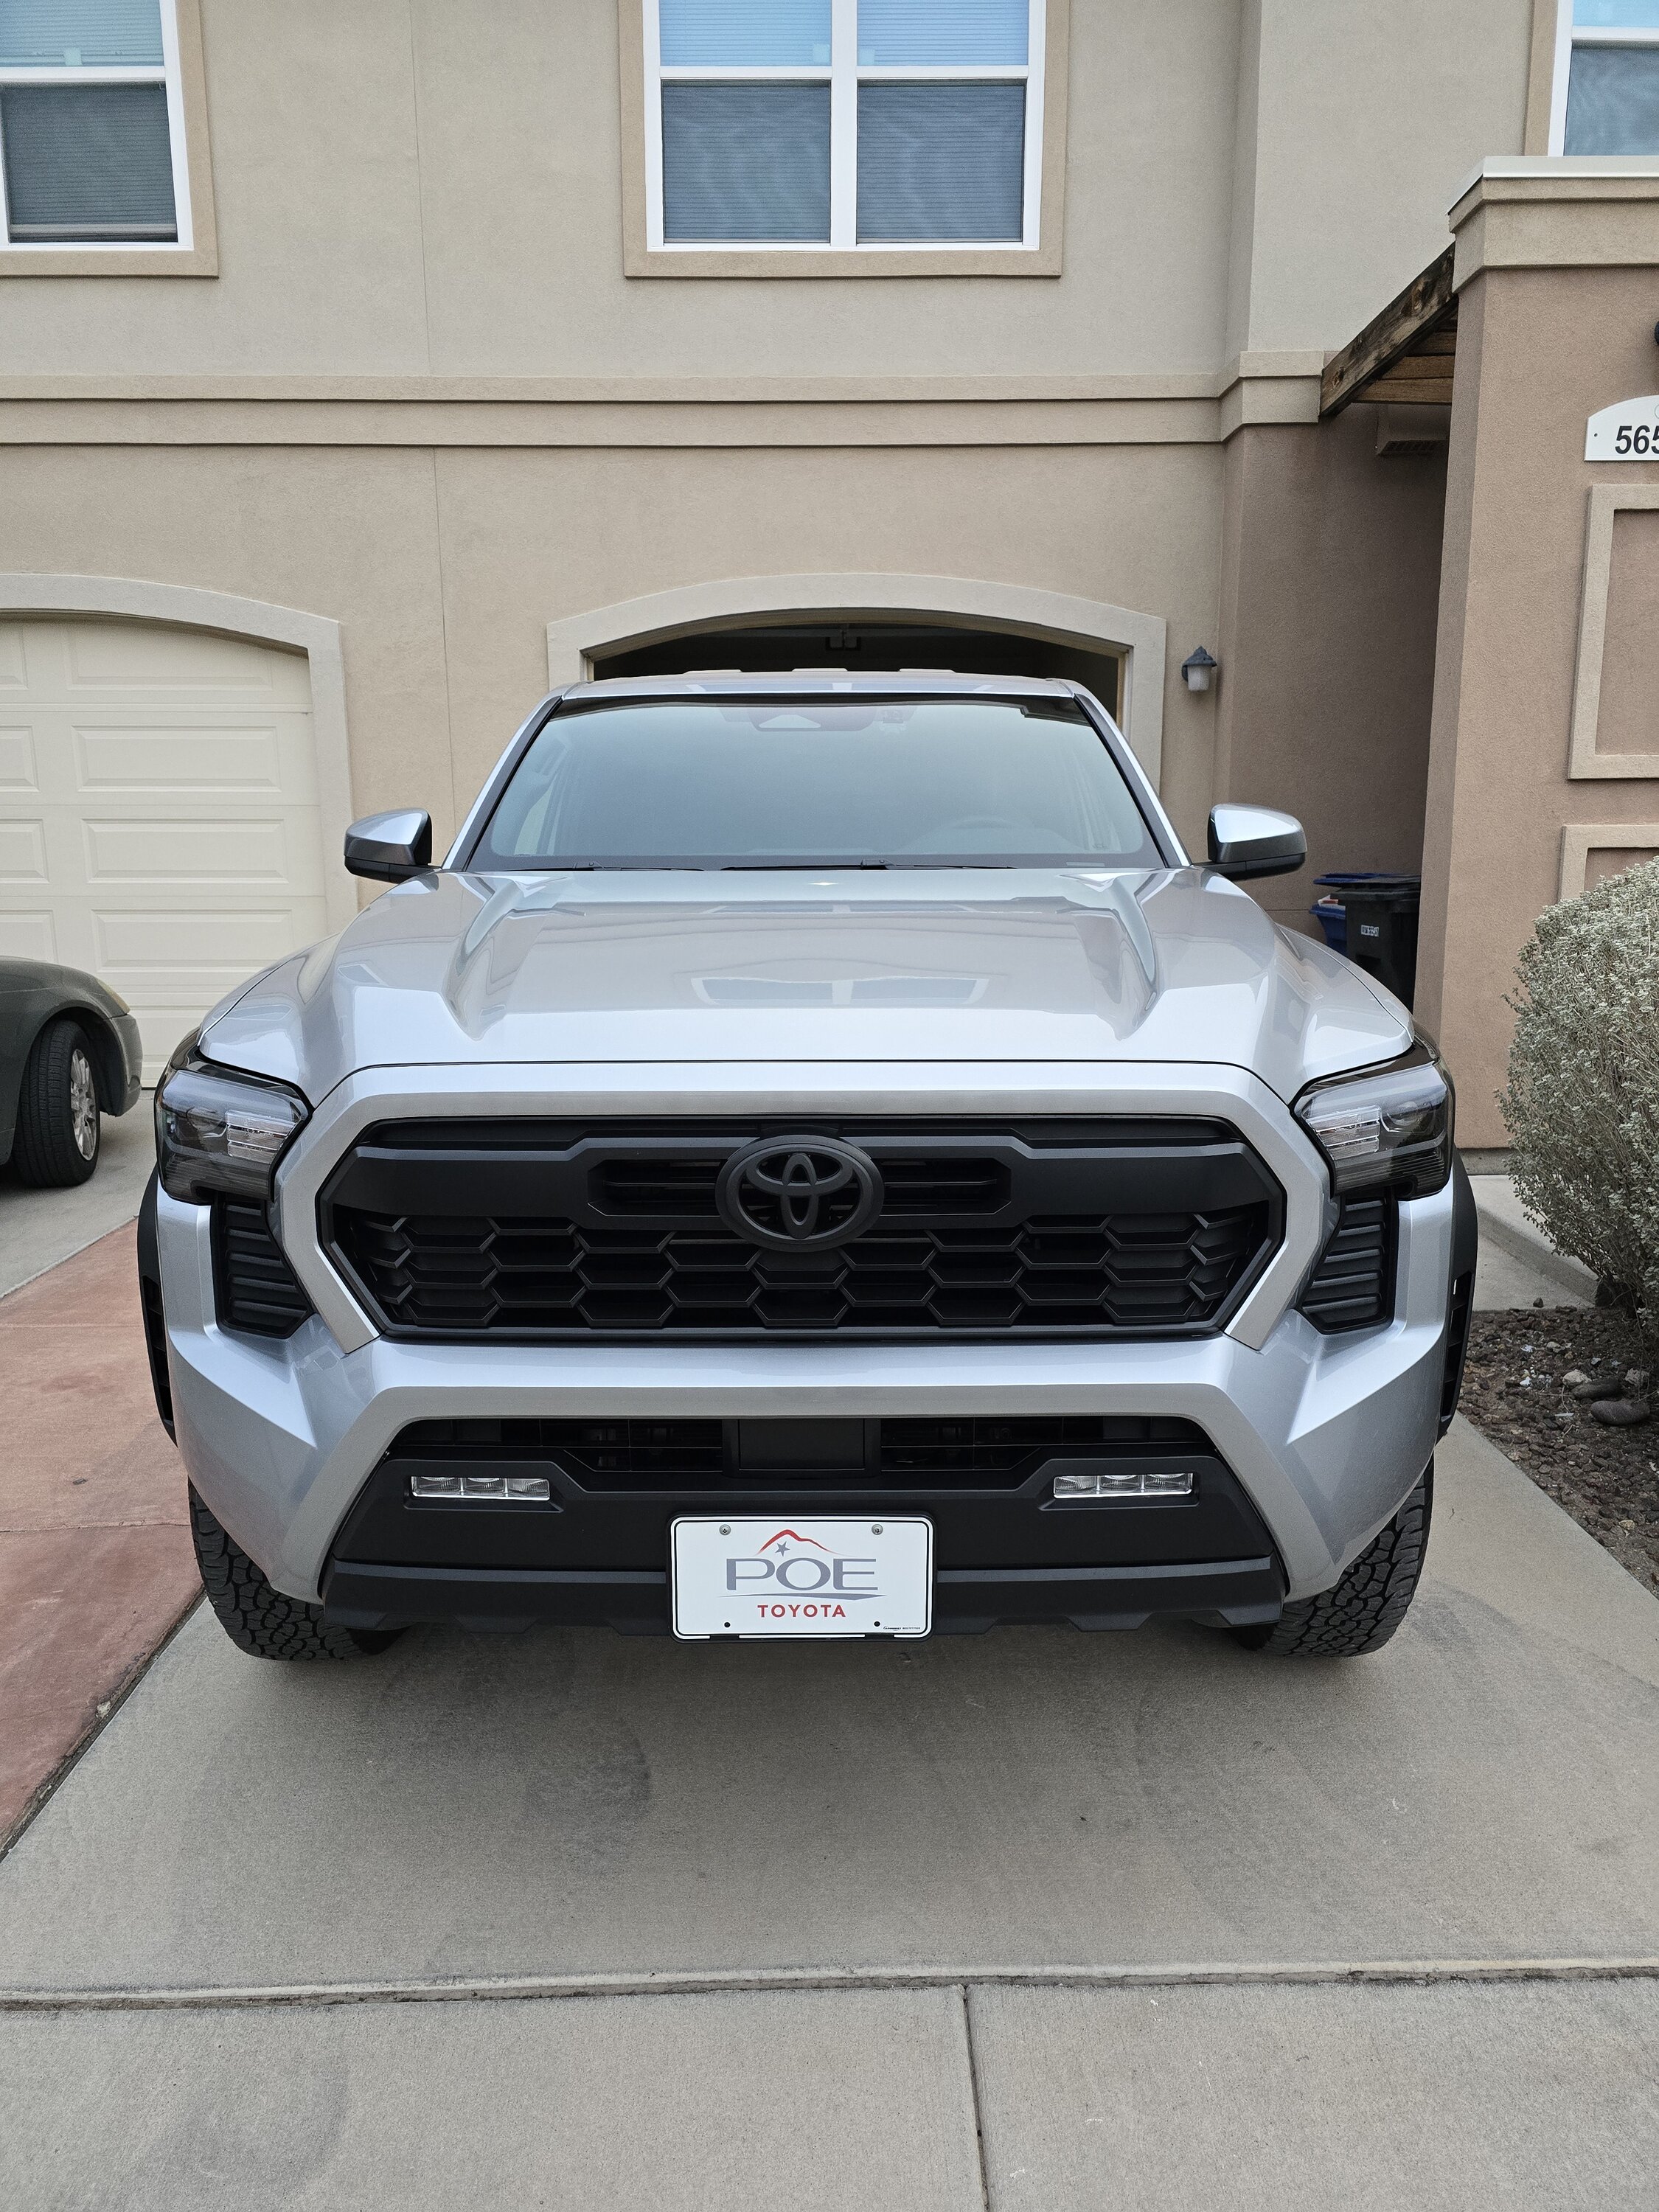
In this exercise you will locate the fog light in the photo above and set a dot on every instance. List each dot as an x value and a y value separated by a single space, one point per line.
1092 1485
484 1489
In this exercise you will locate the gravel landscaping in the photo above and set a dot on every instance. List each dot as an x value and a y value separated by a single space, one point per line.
1514 1389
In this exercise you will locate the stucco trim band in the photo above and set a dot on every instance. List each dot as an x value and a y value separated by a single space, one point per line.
575 641
1525 211
1583 761
183 607
1579 839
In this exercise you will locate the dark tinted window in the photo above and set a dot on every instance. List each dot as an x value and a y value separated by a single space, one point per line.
798 782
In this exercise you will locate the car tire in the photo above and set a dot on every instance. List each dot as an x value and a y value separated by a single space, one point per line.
59 1127
260 1619
1363 1609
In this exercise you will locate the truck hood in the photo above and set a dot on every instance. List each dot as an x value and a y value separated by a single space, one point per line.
969 965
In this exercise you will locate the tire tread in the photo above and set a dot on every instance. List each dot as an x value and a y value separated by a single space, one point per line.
44 1150
1362 1609
259 1618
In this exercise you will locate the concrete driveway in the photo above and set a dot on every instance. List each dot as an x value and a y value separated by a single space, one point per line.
1034 1919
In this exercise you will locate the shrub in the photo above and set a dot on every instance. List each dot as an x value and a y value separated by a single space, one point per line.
1582 1102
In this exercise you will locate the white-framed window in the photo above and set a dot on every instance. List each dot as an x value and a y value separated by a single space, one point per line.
92 133
1606 77
846 125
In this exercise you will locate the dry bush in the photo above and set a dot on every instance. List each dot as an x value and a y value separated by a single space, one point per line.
1582 1102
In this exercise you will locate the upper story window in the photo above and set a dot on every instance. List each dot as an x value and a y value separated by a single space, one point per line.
92 142
1606 77
849 124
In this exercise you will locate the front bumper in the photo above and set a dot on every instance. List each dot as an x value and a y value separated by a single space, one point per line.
1324 1435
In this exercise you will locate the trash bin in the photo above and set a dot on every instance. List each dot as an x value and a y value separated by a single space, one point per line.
1379 925
1333 918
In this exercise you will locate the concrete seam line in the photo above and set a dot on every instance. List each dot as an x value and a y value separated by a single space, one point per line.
741 1981
117 1696
977 2102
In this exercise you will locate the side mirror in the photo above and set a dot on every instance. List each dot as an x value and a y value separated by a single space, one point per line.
386 847
1255 840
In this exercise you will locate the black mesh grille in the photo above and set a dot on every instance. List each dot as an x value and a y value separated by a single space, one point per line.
1353 1285
256 1292
1015 1446
539 1231
486 1275
602 1450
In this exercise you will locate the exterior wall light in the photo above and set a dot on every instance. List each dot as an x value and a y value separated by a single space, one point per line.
1199 668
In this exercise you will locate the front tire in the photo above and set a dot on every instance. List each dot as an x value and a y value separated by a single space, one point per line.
1363 1609
59 1129
260 1619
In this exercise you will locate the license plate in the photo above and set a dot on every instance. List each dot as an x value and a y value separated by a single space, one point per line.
795 1576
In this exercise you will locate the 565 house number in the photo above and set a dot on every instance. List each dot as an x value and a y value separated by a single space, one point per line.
1628 432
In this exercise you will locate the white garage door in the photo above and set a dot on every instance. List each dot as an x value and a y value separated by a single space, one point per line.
158 810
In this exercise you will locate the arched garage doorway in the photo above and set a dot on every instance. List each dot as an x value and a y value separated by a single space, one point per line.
172 788
880 623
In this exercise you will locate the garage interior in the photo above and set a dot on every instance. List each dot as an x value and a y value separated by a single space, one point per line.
845 641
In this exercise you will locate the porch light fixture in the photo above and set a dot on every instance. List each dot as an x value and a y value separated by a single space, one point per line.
1199 668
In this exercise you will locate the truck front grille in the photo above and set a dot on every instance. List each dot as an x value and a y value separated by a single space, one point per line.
539 1232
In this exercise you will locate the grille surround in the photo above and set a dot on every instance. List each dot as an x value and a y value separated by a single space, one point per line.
521 1231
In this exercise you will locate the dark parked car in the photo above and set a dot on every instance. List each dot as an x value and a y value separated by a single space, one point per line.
69 1053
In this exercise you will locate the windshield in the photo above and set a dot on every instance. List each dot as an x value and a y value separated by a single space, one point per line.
756 783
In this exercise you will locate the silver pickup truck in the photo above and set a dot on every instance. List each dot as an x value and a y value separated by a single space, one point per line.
817 1158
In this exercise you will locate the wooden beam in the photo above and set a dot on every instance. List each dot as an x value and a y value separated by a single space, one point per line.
1427 305
1415 392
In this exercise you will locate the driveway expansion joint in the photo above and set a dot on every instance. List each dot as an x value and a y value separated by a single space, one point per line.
828 1980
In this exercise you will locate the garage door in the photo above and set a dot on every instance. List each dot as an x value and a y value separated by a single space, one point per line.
158 810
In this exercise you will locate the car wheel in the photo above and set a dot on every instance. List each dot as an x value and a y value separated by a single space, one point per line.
60 1128
260 1619
1363 1609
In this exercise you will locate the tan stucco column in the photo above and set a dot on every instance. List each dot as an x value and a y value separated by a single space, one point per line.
1558 272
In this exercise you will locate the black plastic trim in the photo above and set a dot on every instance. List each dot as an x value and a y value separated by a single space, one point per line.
1460 1310
1235 1593
150 1301
256 1292
1351 1285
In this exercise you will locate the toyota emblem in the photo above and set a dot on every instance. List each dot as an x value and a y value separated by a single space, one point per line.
799 1193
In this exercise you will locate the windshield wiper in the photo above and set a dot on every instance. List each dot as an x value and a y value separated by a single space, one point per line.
797 867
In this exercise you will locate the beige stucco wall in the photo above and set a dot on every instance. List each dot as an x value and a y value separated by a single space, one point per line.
445 568
406 186
1330 586
1361 122
1541 345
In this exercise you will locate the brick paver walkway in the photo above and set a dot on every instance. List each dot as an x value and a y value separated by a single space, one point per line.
95 1561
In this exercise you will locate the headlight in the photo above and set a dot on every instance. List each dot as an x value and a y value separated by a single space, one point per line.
218 1130
1390 1127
